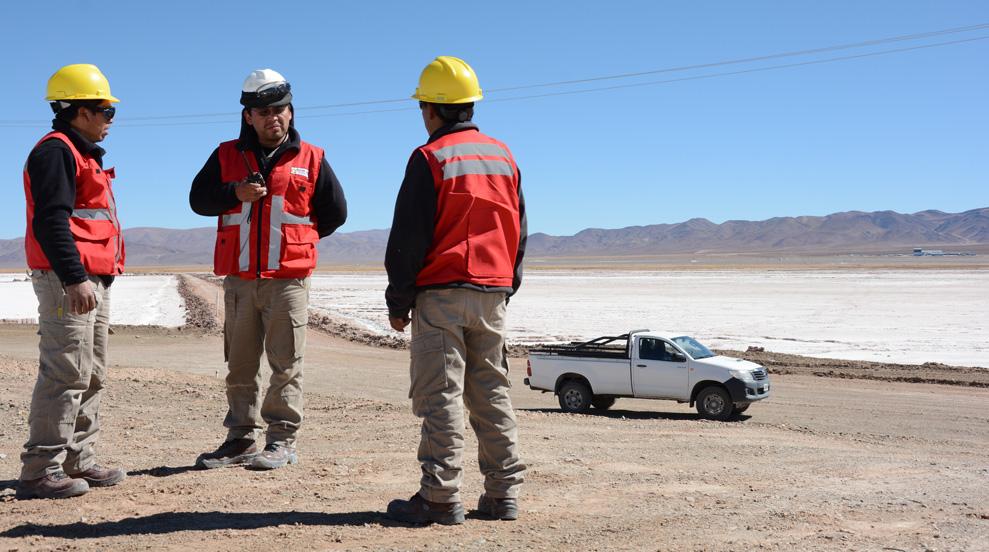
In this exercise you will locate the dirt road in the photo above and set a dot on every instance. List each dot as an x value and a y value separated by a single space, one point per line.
825 464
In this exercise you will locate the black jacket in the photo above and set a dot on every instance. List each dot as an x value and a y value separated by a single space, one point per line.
52 169
211 197
412 232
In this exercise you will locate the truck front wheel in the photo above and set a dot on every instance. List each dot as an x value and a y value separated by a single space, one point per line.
714 403
575 396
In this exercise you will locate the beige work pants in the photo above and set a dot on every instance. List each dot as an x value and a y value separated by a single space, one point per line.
459 359
64 418
268 315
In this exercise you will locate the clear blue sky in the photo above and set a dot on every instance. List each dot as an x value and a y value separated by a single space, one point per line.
905 131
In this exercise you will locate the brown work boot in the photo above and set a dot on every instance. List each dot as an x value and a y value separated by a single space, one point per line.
498 508
53 485
231 453
275 456
98 476
420 511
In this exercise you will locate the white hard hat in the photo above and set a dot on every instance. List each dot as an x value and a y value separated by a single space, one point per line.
265 87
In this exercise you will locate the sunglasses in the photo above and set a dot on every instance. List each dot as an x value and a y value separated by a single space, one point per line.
107 112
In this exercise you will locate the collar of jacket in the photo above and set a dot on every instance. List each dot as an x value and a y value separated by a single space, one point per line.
82 144
248 141
450 128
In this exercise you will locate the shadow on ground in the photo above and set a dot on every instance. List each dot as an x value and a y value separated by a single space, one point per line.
173 522
630 414
163 471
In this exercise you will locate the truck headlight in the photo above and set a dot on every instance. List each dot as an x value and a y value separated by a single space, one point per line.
744 375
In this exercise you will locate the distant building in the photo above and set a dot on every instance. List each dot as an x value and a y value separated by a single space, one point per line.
920 252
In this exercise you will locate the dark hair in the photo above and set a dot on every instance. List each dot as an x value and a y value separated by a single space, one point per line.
69 112
453 113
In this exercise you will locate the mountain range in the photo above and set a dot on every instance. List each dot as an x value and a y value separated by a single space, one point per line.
845 232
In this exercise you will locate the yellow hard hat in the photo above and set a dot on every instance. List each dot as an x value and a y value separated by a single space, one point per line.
448 80
80 81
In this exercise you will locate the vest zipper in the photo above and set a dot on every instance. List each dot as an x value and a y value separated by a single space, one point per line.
260 206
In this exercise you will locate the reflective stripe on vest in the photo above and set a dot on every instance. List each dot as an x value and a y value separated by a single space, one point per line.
472 148
242 219
112 211
92 214
277 218
470 159
462 167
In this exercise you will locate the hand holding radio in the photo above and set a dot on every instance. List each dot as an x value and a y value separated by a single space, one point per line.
253 187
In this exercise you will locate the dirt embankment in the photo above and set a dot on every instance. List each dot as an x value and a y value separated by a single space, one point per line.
201 311
930 372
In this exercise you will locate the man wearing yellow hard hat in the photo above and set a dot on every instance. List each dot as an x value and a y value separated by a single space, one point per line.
454 257
74 248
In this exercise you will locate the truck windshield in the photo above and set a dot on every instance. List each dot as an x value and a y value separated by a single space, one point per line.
692 347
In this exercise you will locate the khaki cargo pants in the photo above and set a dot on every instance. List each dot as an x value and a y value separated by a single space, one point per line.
459 359
268 315
64 420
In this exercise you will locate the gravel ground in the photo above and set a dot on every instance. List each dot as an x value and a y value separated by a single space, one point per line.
827 463
632 478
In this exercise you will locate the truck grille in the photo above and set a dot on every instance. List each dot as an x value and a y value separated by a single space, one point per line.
760 374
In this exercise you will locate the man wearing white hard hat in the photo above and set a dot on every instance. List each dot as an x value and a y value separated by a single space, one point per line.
274 196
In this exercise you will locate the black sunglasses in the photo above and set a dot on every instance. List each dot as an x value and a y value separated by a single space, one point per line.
107 112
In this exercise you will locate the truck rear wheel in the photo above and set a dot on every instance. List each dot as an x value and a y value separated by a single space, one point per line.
575 396
714 403
603 403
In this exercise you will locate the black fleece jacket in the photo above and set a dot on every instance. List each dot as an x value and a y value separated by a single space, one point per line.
52 170
412 233
211 197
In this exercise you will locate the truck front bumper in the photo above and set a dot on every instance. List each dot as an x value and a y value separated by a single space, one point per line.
746 392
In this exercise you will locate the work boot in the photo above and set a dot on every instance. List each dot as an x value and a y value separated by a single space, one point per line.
98 476
275 456
498 508
53 485
420 511
230 453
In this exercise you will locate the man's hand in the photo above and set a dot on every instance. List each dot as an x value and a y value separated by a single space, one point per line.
250 191
399 324
82 297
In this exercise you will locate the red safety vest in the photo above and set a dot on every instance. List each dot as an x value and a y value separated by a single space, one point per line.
274 237
476 232
93 221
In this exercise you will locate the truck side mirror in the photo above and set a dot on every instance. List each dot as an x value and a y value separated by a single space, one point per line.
678 357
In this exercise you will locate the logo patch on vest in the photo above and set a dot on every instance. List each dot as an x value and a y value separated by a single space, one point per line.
300 171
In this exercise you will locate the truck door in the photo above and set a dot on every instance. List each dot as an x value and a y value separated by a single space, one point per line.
659 371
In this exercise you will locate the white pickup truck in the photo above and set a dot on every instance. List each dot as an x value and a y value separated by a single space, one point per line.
649 365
